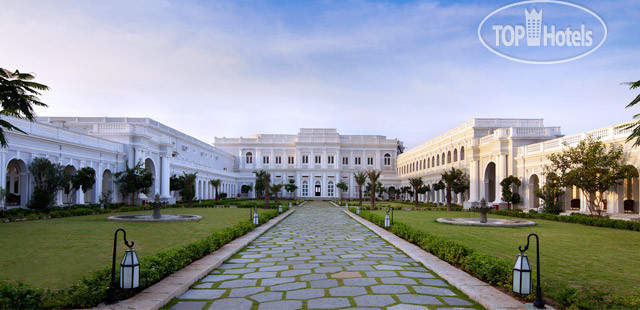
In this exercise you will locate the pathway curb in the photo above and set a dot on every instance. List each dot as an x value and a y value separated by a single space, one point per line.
483 293
161 293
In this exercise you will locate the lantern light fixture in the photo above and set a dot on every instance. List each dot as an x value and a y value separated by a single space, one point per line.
522 280
129 269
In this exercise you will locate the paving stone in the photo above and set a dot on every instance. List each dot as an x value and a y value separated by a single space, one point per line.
241 260
231 303
346 275
328 303
360 281
359 268
374 300
239 271
455 301
293 273
267 296
231 266
430 290
311 277
419 299
305 266
202 294
254 256
189 305
281 305
289 286
433 282
258 265
275 281
324 283
237 283
347 291
307 293
415 274
398 280
216 278
243 292
328 269
388 267
260 275
389 289
381 274
408 307
274 268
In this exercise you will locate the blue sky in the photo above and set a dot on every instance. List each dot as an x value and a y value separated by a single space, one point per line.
409 69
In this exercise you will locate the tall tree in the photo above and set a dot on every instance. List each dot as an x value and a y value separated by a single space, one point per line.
360 177
48 179
373 176
189 190
342 186
461 186
590 166
18 95
276 188
416 183
291 187
550 193
134 180
450 178
84 179
216 184
508 186
259 186
635 133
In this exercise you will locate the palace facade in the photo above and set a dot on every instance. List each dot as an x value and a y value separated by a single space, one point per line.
317 159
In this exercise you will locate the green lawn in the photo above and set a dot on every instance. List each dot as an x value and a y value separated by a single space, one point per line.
56 253
573 254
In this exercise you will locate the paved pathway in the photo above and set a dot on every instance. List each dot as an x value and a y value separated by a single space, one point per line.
319 258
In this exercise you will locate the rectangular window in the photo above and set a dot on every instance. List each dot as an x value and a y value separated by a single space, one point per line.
369 161
358 161
318 159
265 159
305 159
278 160
290 160
345 160
387 161
330 159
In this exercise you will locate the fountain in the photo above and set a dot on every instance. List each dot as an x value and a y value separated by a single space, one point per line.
483 220
157 204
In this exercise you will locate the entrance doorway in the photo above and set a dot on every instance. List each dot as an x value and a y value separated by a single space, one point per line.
318 189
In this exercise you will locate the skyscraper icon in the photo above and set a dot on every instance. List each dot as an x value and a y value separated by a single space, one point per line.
534 22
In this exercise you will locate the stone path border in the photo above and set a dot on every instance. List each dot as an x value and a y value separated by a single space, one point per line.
159 294
483 293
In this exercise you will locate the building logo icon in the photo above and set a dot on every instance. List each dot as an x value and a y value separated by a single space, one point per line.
534 23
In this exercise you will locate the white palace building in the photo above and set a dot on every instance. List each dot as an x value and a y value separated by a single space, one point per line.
488 150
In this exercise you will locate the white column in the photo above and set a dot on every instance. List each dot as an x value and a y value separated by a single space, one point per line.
164 177
501 170
474 182
97 188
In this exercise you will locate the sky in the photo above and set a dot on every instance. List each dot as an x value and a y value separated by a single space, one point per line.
404 69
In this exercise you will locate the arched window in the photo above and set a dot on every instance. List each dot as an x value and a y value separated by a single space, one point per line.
249 158
428 163
387 159
442 158
433 162
437 160
449 157
424 164
455 154
305 188
330 189
462 153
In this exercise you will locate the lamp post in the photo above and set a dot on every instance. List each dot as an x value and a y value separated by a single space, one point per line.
256 218
129 269
280 208
388 220
358 210
522 274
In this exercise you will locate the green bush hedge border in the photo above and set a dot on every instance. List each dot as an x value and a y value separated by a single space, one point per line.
92 289
575 218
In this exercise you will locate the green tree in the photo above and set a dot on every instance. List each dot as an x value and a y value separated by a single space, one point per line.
291 187
635 133
276 188
416 183
216 184
175 183
48 179
373 176
590 166
360 178
508 185
450 178
404 191
188 192
439 186
550 193
18 95
461 185
259 186
84 179
343 188
380 189
424 189
133 181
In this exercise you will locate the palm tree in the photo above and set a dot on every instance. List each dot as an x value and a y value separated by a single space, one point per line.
416 183
18 95
259 186
190 184
451 177
215 183
266 178
635 134
343 187
291 187
360 177
373 177
276 188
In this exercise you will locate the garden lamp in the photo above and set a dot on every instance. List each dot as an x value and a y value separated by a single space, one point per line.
289 204
129 269
387 221
358 210
280 208
256 219
522 280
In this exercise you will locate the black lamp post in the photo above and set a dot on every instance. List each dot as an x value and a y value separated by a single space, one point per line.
522 273
129 269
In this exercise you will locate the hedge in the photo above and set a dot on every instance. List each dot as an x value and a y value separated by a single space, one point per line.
576 218
423 207
92 289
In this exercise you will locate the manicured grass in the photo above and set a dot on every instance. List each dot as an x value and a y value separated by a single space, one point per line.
56 253
572 254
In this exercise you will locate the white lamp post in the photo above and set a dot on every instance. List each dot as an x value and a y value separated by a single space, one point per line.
256 218
129 270
358 210
387 221
280 208
289 204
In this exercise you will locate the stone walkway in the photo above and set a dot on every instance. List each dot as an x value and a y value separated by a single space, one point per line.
319 258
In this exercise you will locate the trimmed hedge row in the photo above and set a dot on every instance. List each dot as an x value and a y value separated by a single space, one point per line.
424 207
573 218
92 289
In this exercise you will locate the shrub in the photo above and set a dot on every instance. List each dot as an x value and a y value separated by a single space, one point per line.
20 296
575 218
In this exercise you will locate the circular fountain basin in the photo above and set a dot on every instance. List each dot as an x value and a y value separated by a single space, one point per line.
470 221
149 218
